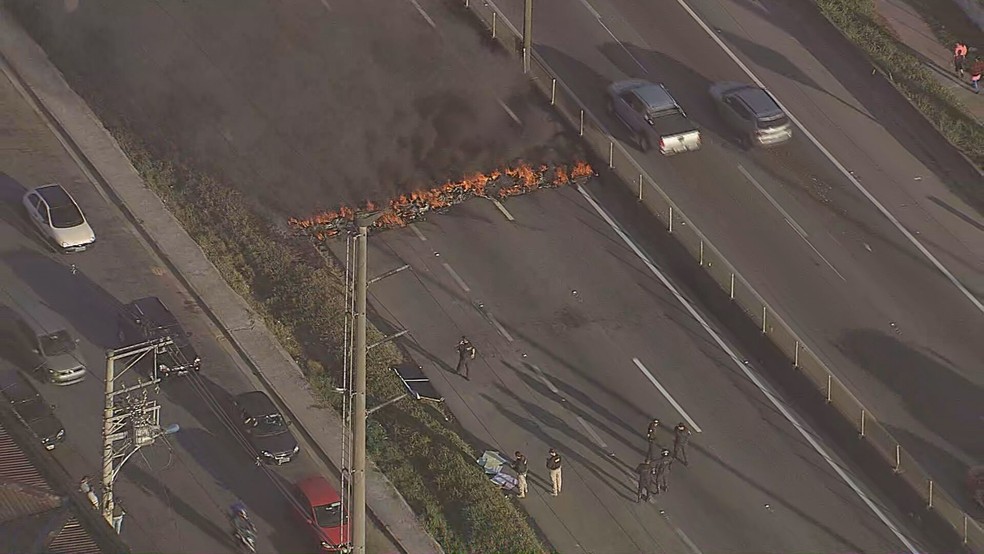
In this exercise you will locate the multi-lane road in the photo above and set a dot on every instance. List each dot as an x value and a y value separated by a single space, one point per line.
861 239
580 343
175 494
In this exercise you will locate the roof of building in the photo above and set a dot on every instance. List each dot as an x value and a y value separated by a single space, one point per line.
34 517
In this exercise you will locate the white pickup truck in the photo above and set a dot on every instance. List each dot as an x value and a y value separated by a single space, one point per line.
653 115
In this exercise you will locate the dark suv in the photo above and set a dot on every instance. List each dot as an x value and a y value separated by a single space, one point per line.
149 319
265 428
31 409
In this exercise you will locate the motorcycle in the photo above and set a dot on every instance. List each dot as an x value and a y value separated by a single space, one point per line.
244 533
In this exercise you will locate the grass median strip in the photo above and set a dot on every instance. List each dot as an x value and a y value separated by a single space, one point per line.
857 20
301 297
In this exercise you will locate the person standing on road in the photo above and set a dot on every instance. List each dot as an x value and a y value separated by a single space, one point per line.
553 464
651 437
959 58
662 469
521 467
466 353
681 436
645 471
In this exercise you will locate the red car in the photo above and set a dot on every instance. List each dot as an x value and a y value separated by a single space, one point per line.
321 509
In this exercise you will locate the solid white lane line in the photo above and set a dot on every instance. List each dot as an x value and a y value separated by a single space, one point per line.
686 540
789 219
591 9
773 399
546 381
498 326
666 394
511 113
423 13
847 174
457 278
417 232
592 432
775 204
503 209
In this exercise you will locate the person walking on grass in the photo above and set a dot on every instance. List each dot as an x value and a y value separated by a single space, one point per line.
681 436
521 467
960 58
975 74
554 462
466 353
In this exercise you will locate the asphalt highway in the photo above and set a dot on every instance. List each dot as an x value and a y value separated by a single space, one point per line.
579 345
868 299
175 493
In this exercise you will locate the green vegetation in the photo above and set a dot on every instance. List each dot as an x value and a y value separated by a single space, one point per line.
857 20
301 296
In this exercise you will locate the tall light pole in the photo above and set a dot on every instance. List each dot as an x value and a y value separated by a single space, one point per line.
363 222
527 35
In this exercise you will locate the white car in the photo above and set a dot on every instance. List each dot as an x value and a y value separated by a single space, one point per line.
59 218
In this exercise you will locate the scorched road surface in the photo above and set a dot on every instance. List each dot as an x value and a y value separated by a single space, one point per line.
579 345
175 492
889 323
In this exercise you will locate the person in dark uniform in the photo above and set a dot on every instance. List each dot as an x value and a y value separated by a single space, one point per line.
681 436
662 469
645 471
466 353
553 465
651 437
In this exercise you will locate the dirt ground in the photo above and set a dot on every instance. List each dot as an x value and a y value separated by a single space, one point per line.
300 104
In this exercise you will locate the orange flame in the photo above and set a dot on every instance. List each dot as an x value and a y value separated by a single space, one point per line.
409 207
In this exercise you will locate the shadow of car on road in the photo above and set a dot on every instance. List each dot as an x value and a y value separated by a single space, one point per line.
13 213
87 306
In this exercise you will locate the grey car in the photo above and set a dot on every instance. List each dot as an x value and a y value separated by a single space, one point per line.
52 356
752 112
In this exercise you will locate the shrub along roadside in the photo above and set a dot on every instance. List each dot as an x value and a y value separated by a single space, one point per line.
856 20
301 298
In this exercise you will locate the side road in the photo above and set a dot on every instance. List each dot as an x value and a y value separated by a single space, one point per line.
916 33
105 164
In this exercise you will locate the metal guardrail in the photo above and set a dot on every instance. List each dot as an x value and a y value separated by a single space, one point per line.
729 279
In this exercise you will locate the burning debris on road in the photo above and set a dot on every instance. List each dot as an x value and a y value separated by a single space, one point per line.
408 208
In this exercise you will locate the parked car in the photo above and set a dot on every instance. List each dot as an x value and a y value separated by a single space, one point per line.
148 319
55 213
321 510
266 428
753 113
31 409
37 341
653 116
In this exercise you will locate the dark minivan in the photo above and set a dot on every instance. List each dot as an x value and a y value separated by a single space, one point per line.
148 319
31 409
